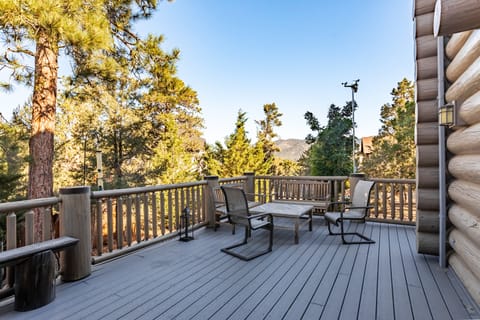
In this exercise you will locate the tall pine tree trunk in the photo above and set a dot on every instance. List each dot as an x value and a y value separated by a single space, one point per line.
40 183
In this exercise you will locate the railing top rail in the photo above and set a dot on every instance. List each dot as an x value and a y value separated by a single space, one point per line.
28 204
393 180
139 190
303 177
232 179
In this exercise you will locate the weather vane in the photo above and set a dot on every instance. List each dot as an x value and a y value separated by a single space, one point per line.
354 85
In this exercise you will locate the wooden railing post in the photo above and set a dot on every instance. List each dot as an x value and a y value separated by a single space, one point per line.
75 219
212 181
11 242
250 185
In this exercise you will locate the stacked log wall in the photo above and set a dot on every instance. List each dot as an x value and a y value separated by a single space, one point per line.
457 21
463 144
426 130
463 140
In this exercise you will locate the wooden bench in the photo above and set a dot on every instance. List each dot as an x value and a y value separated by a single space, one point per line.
307 192
35 271
221 208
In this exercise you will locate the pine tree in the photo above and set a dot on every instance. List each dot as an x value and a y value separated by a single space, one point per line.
265 145
82 30
13 142
393 149
331 149
238 157
147 122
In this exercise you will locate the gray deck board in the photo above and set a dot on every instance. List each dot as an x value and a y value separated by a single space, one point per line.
317 279
401 295
368 302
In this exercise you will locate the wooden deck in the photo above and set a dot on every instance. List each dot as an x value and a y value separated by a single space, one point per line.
317 279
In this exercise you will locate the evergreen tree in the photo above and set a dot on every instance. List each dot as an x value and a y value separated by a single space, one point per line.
285 167
147 122
239 155
265 145
13 142
331 149
49 25
82 30
212 161
393 149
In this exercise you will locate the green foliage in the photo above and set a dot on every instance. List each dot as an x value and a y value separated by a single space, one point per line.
284 167
331 148
393 149
71 24
265 146
238 156
147 122
13 158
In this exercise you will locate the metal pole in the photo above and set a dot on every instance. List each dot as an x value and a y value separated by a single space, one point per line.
442 183
354 87
84 160
353 131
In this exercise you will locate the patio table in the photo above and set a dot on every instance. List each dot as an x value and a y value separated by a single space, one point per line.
301 214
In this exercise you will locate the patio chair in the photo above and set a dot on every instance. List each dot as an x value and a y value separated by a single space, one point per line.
355 211
239 214
221 208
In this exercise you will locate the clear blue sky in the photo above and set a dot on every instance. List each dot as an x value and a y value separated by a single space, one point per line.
242 54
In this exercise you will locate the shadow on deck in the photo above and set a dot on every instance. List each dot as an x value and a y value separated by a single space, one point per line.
319 278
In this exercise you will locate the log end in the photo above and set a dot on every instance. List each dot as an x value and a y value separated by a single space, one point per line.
437 17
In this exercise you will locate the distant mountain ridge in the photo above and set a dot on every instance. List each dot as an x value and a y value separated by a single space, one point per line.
291 149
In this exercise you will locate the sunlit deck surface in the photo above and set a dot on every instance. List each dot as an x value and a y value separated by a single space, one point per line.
318 278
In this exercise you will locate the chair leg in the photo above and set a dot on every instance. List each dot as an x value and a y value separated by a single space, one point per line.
228 250
342 233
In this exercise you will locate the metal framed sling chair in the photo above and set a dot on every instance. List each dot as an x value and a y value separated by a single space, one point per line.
239 214
357 211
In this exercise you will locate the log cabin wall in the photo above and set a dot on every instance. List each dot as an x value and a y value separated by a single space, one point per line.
463 144
458 22
426 133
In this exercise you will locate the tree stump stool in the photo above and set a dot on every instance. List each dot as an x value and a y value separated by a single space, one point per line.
35 281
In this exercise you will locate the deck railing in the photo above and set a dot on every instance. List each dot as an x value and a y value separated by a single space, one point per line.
265 184
22 211
394 201
125 219
14 212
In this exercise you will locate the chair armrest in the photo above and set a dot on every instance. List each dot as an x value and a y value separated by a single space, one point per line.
344 211
337 203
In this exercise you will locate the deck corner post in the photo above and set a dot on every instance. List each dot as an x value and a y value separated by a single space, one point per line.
212 181
250 185
354 178
75 221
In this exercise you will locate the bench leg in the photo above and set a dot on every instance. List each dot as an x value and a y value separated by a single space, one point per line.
35 281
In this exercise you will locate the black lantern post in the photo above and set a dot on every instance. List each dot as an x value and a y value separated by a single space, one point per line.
185 218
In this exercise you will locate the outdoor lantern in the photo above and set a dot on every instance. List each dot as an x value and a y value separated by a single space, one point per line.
185 234
446 115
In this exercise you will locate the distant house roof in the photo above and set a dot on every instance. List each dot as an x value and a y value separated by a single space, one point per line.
366 145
